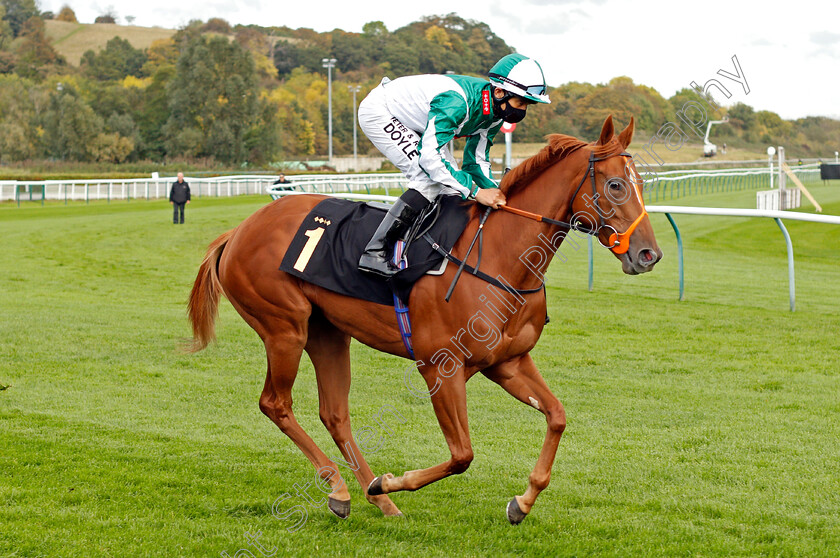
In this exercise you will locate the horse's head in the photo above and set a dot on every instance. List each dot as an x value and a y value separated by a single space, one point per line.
609 200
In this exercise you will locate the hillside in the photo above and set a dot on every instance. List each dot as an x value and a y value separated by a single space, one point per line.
261 95
71 40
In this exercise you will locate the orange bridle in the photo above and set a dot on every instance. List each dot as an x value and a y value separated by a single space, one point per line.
618 242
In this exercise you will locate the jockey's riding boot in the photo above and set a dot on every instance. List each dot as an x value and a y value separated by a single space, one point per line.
376 257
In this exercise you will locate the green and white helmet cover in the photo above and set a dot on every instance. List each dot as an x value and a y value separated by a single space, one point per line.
521 76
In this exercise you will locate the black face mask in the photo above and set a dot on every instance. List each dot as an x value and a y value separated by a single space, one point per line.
508 114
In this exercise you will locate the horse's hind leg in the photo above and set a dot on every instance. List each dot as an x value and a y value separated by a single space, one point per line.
449 401
284 351
329 350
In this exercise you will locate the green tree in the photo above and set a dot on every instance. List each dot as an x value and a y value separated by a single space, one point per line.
20 135
354 49
741 116
124 126
70 127
110 148
400 60
262 140
117 60
152 113
212 100
6 33
623 99
286 57
18 12
376 35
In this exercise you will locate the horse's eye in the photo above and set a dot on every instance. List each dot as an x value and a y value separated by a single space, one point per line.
615 185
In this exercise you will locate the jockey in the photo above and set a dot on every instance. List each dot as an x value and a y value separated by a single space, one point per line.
412 119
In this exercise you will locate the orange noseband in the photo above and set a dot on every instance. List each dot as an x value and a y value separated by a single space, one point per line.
620 242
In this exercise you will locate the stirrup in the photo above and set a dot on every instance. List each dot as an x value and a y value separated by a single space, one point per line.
376 264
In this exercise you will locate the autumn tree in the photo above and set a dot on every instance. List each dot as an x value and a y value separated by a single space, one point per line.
110 16
259 46
162 52
35 53
66 14
217 25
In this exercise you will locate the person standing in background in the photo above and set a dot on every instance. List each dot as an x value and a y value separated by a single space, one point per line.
283 181
179 197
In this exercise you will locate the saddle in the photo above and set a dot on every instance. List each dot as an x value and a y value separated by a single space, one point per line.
325 250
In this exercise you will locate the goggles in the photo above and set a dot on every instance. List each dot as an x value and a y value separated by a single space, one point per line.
529 89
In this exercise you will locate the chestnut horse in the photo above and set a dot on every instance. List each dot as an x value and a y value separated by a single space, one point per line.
452 341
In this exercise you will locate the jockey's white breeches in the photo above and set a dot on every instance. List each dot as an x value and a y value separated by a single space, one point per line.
399 143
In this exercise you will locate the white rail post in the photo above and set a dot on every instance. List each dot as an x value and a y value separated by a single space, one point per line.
782 176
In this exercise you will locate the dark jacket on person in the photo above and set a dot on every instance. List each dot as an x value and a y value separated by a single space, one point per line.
284 184
180 192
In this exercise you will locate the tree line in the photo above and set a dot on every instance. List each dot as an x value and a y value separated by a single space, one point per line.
255 94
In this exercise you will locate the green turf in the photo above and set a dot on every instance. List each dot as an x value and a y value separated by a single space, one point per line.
705 427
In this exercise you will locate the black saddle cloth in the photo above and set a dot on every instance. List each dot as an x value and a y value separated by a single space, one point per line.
326 248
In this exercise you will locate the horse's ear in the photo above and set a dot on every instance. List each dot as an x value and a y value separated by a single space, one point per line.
626 135
607 132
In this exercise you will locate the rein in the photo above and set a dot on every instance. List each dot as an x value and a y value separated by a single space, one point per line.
619 243
463 266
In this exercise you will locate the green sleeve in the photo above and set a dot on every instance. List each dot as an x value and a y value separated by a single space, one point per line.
446 113
477 158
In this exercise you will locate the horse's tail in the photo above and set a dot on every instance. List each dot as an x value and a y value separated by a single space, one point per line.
203 306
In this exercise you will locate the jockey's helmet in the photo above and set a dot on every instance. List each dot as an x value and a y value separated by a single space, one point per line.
521 76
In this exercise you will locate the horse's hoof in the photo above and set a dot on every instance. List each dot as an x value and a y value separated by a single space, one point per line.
514 514
340 508
375 487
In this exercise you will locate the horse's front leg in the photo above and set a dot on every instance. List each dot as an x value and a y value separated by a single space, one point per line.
520 378
449 401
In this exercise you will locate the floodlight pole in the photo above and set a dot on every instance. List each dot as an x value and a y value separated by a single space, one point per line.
354 89
329 64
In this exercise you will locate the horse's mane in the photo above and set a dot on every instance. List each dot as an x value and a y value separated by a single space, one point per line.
559 147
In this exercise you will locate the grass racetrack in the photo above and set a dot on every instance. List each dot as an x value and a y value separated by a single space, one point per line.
705 427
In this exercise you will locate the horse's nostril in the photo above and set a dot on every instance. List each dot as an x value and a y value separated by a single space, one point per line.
647 257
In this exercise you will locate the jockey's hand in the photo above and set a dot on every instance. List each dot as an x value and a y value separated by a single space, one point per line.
491 196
